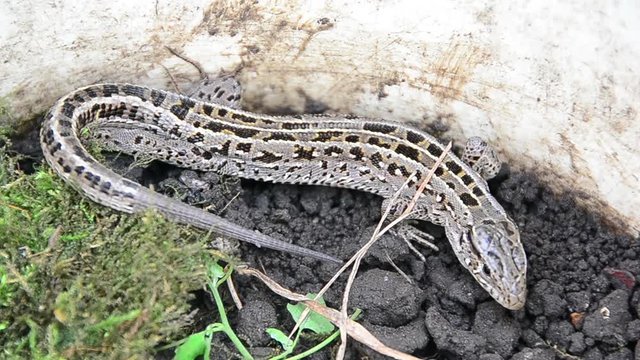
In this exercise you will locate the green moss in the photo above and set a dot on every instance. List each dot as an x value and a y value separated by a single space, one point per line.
78 281
5 115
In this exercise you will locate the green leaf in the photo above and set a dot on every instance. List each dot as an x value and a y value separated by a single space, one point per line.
279 336
216 271
194 346
314 321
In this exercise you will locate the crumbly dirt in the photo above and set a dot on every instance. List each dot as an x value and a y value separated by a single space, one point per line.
583 300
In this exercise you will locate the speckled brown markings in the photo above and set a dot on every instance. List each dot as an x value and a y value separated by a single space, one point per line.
358 153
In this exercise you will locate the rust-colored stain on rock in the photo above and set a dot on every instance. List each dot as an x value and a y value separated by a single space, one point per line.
454 69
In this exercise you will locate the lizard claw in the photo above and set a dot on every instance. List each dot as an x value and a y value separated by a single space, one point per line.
411 234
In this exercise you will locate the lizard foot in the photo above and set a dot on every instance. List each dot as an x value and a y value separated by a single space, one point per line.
481 157
411 234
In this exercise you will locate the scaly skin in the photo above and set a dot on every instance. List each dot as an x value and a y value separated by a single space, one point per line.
340 151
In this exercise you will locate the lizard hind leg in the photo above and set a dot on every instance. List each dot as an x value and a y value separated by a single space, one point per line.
482 157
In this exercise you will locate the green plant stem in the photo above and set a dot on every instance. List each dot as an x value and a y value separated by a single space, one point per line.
225 321
325 342
289 351
318 346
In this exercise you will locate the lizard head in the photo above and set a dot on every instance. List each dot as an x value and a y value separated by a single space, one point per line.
491 250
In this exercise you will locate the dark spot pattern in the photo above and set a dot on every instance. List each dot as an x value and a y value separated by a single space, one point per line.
392 167
295 125
242 117
105 186
55 148
91 93
434 150
267 157
48 137
65 123
245 147
157 97
376 160
468 200
92 178
244 132
110 89
188 102
304 153
357 153
224 149
409 152
280 136
333 150
78 98
379 128
325 136
132 90
175 130
467 179
118 193
377 142
68 109
415 137
179 111
207 109
453 167
216 126
195 138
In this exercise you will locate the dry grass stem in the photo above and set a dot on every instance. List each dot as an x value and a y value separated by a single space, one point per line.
234 293
376 235
355 330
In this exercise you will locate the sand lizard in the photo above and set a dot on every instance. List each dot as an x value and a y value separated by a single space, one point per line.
206 131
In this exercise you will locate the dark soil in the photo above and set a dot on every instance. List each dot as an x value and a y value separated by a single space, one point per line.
583 300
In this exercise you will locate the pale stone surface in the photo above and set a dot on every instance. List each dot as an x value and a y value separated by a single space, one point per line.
553 86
